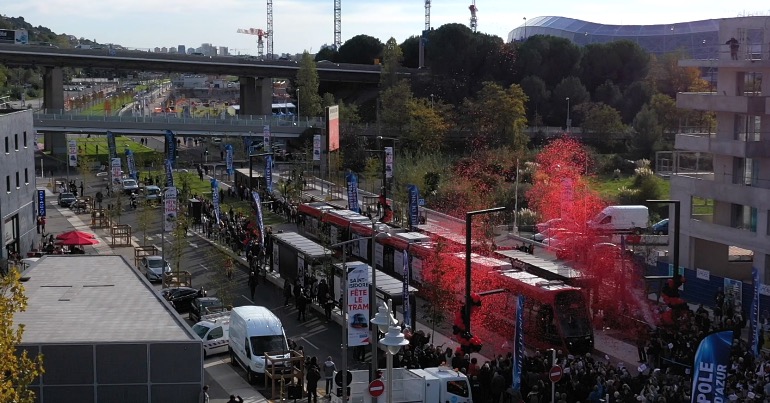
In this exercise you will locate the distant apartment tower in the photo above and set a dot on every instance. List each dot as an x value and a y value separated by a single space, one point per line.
164 50
181 49
722 173
223 51
157 49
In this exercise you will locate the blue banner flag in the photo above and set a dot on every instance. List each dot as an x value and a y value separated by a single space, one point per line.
229 158
41 203
352 180
754 314
131 165
215 197
712 360
171 147
113 150
518 344
269 173
414 206
405 293
169 174
260 223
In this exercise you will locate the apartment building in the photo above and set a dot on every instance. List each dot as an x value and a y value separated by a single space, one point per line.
722 173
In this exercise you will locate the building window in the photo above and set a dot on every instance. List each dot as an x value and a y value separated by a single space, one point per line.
16 141
17 179
26 176
25 139
8 183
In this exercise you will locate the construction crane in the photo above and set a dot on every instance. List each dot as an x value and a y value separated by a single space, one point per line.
260 34
421 55
269 32
474 19
337 24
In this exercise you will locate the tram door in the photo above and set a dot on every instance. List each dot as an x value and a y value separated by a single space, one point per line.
546 328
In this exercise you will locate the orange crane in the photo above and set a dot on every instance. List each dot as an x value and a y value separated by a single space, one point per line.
474 19
260 34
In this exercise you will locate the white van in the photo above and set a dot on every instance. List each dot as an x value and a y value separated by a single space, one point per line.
621 219
254 330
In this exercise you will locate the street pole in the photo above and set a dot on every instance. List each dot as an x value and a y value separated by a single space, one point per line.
516 198
468 232
677 228
344 289
553 384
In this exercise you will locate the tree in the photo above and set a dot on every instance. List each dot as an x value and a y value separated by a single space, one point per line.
394 106
307 84
571 88
327 53
548 57
411 49
609 94
360 49
391 62
622 62
537 96
667 77
17 368
666 112
647 134
497 115
427 126
602 121
634 97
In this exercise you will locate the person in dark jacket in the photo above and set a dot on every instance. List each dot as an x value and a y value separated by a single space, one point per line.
301 302
313 375
286 292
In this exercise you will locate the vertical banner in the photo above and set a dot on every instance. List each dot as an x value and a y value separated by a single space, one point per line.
269 173
215 198
229 159
260 223
414 208
116 169
301 269
131 162
169 174
358 304
170 147
712 360
754 314
72 151
352 180
518 344
333 127
41 203
113 150
169 208
317 147
266 138
405 293
388 162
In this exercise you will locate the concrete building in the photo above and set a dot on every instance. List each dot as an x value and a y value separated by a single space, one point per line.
106 334
722 174
17 173
181 49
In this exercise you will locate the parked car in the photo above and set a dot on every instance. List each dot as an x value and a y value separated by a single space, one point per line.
152 193
547 233
66 199
154 268
181 298
660 227
204 306
129 186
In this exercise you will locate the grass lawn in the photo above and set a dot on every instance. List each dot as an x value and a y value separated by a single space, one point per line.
609 188
97 148
115 105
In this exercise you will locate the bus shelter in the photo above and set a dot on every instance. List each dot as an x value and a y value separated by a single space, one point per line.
294 256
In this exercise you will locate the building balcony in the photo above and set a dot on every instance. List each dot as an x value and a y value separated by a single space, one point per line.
709 143
725 235
716 102
707 185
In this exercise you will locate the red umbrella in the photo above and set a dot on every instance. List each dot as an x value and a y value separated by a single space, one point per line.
76 234
78 239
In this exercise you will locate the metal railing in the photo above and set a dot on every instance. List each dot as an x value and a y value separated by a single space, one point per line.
252 121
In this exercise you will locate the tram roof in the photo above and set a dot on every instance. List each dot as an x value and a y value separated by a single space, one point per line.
531 280
555 269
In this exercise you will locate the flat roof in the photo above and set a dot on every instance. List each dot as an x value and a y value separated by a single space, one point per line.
303 245
93 299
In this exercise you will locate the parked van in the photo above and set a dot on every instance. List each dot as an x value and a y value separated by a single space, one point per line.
621 219
254 330
214 332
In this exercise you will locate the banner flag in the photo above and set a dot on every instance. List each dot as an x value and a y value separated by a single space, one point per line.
169 208
317 147
72 146
113 150
260 222
352 180
41 203
229 158
414 207
171 147
215 198
131 165
388 162
115 171
518 344
269 173
712 360
754 314
405 292
169 174
266 138
357 290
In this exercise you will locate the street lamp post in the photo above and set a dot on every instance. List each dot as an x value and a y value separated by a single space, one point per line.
468 227
393 340
297 104
384 164
677 216
569 122
525 28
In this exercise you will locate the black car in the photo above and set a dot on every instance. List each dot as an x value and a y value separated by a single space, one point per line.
66 199
203 306
181 298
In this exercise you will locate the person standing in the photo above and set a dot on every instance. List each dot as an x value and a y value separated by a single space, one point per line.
42 223
328 306
329 369
204 396
253 283
313 375
286 292
82 189
39 223
301 301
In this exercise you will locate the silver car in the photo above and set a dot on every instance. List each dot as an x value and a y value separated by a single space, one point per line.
154 268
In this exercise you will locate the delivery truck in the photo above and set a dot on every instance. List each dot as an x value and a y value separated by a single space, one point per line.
441 384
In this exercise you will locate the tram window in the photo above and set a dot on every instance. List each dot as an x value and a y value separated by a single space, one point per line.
606 220
459 388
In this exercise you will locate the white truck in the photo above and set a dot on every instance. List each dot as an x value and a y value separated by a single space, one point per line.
214 332
619 219
442 384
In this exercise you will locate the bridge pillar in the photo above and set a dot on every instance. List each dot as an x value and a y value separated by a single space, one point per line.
256 96
53 89
55 143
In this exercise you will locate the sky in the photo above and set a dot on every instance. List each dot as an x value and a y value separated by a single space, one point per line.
301 25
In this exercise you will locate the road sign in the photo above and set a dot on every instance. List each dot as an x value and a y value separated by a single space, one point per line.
376 388
338 379
555 373
420 202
